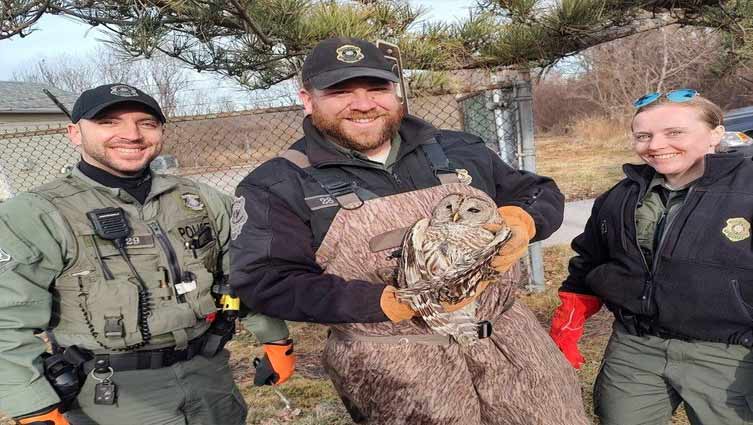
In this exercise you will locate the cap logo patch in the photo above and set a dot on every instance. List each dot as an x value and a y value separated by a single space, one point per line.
192 202
238 217
123 91
737 229
349 53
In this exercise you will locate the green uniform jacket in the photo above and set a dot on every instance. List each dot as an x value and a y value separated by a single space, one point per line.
51 275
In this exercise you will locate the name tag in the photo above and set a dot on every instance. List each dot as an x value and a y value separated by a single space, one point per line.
321 201
185 287
146 241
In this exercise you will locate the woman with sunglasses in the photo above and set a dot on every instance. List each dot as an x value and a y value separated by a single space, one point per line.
668 250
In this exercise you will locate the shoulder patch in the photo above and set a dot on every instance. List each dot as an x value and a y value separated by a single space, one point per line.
5 260
238 217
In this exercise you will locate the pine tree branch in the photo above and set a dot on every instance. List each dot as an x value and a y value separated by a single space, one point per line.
27 15
249 23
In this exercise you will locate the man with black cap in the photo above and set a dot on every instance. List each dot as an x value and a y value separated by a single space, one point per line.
124 269
316 238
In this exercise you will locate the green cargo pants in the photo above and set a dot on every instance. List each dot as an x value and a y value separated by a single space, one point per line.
644 379
200 391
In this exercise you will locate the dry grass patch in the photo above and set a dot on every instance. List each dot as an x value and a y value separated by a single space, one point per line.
587 162
308 398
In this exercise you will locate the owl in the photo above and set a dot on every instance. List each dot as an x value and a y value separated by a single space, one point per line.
445 257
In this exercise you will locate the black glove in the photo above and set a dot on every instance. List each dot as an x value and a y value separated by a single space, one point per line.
277 365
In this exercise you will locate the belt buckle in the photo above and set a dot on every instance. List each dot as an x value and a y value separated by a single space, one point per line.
484 329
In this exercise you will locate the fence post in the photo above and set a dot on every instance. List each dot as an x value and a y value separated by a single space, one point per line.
504 125
523 98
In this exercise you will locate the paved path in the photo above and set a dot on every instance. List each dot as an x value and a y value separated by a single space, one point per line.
576 215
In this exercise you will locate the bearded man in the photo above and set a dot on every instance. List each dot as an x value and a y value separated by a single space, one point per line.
315 229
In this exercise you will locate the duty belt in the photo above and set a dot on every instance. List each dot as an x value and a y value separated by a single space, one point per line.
146 359
639 325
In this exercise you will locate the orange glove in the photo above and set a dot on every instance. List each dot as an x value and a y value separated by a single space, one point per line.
568 321
394 309
278 363
397 311
48 416
523 230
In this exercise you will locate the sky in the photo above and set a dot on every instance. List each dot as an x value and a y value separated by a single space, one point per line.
56 35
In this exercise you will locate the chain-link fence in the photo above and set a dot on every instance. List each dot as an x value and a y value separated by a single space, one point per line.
221 149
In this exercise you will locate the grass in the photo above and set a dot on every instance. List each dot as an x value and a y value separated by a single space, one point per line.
583 168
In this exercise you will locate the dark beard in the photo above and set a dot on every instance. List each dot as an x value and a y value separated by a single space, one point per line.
331 128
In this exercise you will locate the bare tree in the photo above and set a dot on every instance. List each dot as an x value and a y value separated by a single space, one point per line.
64 72
161 76
617 73
606 79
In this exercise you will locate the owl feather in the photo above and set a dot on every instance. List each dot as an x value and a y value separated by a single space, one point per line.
444 260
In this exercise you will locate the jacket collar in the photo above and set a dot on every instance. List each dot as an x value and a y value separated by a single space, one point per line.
716 166
160 184
413 132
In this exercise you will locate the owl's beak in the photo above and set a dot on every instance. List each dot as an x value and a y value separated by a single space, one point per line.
455 217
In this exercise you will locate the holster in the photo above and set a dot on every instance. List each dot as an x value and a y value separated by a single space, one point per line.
219 333
63 371
265 373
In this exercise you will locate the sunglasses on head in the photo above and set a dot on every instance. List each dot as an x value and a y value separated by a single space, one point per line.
677 96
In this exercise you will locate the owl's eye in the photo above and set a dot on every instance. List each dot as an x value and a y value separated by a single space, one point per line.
474 210
449 207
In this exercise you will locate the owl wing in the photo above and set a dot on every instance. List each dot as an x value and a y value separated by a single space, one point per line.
416 287
413 260
422 290
461 282
460 324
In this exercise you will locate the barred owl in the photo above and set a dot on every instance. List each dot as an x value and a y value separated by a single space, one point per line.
445 257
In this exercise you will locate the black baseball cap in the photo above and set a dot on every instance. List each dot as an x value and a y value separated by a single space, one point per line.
338 59
93 101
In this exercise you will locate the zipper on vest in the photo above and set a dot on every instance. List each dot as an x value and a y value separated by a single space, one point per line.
668 225
649 280
172 258
647 288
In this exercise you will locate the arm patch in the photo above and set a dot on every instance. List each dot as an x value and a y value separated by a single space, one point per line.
5 260
238 217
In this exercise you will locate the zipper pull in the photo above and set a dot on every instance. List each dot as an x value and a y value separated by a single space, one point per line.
397 178
647 288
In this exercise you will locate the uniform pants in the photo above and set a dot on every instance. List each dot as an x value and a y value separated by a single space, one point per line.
644 379
199 391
